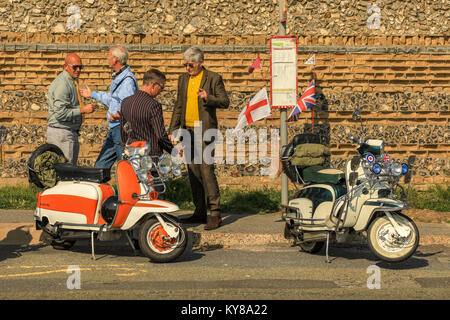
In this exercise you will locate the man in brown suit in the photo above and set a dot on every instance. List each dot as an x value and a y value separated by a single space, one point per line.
200 92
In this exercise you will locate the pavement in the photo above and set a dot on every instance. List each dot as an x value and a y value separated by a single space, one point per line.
17 227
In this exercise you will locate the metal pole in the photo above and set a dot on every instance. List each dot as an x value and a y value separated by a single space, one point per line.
283 112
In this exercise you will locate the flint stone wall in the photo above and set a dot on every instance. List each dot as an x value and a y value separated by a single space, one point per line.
185 17
389 58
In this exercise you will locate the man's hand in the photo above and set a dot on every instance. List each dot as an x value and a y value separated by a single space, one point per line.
202 94
180 151
86 91
88 108
114 117
177 151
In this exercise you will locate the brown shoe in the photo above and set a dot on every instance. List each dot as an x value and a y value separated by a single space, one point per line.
213 223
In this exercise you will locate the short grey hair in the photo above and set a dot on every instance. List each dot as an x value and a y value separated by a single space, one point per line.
194 54
153 75
121 53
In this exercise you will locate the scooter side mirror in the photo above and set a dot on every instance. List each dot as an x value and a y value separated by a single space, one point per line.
408 177
354 163
411 160
352 178
127 128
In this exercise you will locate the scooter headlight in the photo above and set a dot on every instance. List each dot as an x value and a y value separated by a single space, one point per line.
376 168
146 163
396 169
176 170
404 168
165 164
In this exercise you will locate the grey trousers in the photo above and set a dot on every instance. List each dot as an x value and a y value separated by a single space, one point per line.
66 140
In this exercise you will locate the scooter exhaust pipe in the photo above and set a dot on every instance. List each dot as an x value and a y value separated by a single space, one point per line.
319 236
70 235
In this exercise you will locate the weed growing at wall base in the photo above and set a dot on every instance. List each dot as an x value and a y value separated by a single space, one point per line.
435 198
18 197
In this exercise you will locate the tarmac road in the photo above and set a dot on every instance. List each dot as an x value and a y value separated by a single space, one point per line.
237 266
275 272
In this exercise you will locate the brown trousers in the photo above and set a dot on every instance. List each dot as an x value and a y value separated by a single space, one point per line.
203 181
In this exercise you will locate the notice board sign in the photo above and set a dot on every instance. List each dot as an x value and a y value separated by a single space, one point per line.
283 71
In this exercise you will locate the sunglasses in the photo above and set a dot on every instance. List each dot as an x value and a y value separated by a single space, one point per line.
159 84
76 67
190 65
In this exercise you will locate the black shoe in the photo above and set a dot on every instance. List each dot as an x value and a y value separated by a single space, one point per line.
213 223
194 219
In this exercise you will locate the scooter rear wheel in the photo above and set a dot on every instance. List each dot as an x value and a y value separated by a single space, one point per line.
156 244
312 246
62 244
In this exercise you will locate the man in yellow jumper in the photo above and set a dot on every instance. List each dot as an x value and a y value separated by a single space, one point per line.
200 92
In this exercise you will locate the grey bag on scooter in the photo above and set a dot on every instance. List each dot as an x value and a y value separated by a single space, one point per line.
309 154
292 171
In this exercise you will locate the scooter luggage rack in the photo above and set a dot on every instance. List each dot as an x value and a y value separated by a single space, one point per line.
299 176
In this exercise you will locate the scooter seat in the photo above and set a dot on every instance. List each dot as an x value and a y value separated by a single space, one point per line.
69 172
318 174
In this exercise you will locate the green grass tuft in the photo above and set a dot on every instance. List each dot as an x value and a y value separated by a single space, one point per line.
14 197
435 198
260 201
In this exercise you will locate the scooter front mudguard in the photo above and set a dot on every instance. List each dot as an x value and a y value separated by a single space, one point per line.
144 207
375 205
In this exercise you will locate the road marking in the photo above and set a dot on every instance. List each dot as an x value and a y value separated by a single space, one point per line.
38 273
133 271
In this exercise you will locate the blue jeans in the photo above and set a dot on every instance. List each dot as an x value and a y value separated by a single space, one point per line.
111 151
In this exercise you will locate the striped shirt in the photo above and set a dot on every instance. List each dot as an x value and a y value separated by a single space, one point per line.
146 118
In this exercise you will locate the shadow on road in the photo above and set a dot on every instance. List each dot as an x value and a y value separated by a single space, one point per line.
17 241
362 251
121 248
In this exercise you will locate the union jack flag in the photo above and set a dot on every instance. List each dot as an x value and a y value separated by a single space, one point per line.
308 99
295 114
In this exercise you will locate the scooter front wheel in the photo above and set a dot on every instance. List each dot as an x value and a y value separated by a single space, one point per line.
386 244
156 244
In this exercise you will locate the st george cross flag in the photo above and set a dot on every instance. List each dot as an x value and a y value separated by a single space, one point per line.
308 99
255 65
257 109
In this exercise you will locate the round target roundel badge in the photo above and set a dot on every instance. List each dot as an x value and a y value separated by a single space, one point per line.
370 158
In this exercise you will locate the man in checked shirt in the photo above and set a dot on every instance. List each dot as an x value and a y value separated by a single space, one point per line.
145 115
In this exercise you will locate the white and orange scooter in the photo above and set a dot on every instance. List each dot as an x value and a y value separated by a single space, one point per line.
83 205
